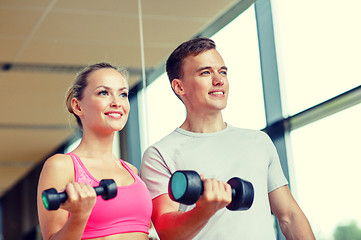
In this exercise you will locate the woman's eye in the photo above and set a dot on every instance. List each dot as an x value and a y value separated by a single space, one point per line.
124 95
103 93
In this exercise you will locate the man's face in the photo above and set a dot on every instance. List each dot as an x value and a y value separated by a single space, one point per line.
204 82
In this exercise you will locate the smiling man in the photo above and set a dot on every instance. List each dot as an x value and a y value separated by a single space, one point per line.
208 145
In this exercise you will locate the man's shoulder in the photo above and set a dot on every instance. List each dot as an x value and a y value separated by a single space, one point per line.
168 139
164 142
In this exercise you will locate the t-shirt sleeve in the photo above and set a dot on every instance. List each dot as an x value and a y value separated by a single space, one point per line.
155 172
276 177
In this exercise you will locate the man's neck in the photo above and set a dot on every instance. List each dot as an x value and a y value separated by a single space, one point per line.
206 124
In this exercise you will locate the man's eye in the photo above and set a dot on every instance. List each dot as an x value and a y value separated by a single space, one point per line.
224 73
205 73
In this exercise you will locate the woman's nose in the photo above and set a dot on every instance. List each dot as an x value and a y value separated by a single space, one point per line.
115 102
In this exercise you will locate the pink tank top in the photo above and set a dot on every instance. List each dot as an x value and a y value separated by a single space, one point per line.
129 211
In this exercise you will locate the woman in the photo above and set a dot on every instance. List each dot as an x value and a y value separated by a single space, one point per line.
99 101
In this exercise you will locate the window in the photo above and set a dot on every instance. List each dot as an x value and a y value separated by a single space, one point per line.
317 44
318 48
165 111
327 159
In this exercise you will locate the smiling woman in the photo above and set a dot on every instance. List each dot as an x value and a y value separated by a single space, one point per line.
78 88
103 99
99 101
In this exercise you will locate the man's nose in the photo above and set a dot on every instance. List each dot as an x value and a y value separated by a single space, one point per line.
218 80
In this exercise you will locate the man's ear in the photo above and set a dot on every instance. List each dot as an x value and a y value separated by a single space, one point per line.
177 86
75 105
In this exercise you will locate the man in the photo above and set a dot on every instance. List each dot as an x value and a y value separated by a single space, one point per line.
218 151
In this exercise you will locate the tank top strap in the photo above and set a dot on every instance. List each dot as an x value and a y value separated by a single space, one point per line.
81 174
125 165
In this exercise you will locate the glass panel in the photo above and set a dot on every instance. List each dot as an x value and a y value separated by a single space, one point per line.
327 160
318 48
165 110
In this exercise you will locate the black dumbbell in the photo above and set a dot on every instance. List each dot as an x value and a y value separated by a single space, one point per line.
52 199
186 187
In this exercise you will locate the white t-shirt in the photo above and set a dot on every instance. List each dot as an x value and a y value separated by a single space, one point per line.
232 152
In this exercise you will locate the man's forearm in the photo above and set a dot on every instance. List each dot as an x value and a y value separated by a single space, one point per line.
181 225
297 227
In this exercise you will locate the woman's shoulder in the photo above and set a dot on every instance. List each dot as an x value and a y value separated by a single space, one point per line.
56 172
59 163
58 160
132 167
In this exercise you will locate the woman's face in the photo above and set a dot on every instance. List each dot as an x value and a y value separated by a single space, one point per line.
105 105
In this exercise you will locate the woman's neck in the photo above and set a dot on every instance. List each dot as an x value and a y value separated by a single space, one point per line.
96 146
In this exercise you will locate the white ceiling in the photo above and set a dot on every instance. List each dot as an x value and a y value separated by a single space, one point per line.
42 45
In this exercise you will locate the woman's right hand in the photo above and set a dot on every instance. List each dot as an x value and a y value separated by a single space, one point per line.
81 199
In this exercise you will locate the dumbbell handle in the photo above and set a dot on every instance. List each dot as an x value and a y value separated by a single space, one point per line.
63 196
52 199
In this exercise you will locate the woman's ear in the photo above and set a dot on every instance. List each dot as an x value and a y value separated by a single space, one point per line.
177 86
76 107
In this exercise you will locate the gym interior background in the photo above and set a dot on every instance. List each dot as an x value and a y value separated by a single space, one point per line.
293 72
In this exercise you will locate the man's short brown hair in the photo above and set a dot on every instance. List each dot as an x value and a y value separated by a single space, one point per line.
192 47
